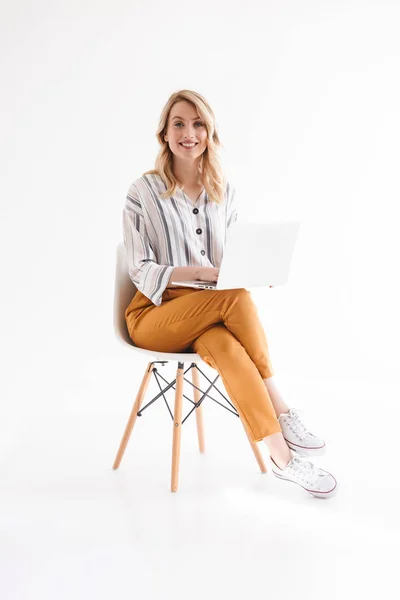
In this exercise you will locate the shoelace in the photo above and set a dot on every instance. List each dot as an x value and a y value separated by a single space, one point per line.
300 463
297 425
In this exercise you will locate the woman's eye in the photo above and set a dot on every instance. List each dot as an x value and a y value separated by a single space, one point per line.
197 123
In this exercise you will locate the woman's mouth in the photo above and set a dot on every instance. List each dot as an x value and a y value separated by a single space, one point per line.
188 146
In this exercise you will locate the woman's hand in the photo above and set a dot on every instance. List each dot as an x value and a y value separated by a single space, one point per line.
208 274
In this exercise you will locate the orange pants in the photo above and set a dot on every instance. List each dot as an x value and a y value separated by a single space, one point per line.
223 327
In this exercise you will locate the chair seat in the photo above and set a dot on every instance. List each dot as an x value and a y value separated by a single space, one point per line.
153 354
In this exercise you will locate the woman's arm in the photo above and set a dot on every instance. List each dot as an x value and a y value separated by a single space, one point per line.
149 277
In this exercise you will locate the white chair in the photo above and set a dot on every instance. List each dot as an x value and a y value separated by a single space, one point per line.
123 294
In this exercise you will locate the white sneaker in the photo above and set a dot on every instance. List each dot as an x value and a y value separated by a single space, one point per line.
297 437
314 480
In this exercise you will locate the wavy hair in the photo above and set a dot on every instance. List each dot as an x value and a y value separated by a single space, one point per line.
212 174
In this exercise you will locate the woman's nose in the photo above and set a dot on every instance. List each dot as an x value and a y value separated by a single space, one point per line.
189 132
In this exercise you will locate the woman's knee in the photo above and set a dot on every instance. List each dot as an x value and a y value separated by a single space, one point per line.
241 300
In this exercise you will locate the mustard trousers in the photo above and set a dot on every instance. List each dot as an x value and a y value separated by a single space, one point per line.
223 327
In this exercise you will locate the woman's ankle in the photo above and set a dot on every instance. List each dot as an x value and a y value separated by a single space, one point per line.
279 451
280 462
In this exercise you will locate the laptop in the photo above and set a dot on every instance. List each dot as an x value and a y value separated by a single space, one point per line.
255 255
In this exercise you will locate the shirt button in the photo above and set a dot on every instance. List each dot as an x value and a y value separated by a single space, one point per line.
195 210
203 252
198 231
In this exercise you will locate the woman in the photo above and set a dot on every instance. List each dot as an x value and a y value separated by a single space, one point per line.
174 222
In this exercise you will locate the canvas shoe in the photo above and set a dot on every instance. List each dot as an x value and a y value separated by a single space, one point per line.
297 437
314 480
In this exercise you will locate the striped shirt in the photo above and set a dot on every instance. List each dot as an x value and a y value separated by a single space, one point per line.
160 235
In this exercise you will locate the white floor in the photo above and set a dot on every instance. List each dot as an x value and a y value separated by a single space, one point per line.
71 527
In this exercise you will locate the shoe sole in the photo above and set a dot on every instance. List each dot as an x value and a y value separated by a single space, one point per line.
306 451
323 495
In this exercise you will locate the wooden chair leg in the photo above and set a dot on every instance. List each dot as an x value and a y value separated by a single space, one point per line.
199 410
176 434
256 450
133 415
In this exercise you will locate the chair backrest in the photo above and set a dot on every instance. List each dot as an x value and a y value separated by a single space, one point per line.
124 291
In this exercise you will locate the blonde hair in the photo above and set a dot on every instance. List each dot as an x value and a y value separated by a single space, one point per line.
212 174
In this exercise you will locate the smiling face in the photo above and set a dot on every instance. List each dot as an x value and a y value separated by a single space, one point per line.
185 126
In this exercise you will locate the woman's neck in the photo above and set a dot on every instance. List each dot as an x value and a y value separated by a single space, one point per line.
188 174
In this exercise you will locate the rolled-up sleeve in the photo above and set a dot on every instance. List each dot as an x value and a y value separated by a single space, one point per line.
232 214
148 276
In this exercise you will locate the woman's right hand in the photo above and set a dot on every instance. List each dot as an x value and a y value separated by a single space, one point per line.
208 274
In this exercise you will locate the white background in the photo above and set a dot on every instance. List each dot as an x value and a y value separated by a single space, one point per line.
306 96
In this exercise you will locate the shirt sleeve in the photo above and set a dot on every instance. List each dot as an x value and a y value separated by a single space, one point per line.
148 276
232 214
